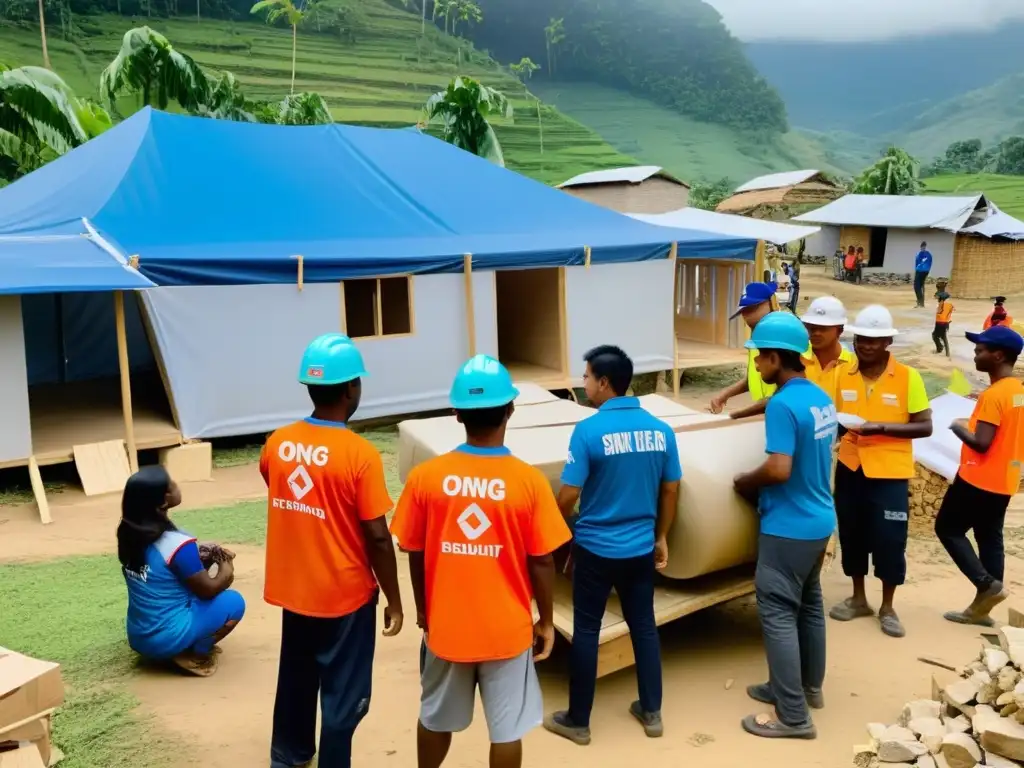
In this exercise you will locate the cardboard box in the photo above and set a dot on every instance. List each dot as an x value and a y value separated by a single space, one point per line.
37 733
24 757
28 687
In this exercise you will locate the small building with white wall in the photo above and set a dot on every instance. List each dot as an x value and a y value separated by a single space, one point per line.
640 189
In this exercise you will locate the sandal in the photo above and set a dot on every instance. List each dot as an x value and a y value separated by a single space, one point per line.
848 610
767 727
891 625
967 616
194 664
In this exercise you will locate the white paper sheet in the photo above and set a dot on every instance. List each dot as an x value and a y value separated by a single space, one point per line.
941 452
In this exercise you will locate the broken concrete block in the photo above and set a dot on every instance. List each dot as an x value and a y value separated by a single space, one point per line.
901 751
1007 678
921 708
926 761
1004 698
960 750
962 692
988 693
1005 738
1009 709
930 731
995 761
982 718
958 724
1011 640
875 730
995 659
897 733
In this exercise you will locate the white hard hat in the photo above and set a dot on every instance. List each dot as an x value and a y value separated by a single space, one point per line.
874 321
827 311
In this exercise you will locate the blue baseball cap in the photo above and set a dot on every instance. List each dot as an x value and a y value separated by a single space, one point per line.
754 294
999 336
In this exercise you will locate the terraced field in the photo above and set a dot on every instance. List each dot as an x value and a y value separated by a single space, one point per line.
381 78
1005 191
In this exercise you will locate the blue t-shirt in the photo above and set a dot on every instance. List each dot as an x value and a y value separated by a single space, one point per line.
159 603
801 422
923 262
619 457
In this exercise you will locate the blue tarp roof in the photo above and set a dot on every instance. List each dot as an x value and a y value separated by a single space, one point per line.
216 202
62 265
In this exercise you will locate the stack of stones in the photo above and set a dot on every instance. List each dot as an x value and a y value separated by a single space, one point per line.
978 720
926 491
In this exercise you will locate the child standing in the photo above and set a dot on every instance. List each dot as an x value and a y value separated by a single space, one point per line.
943 317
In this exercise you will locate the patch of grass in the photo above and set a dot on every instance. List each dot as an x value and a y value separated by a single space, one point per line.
1005 191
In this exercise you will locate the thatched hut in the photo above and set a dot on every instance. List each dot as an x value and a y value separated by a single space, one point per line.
988 258
782 195
642 189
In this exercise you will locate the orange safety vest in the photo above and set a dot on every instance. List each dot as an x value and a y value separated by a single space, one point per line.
851 261
944 313
989 322
880 456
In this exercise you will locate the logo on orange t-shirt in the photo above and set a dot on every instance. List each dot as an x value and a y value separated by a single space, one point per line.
323 482
478 516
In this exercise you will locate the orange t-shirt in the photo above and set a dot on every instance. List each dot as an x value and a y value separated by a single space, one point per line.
998 469
990 321
477 515
323 481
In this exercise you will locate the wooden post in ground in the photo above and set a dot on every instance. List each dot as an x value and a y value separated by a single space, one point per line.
39 491
467 274
673 255
126 384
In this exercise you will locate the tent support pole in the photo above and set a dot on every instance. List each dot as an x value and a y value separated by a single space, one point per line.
563 323
673 254
126 384
467 275
586 256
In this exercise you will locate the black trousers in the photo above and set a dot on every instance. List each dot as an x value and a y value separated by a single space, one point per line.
940 337
968 508
332 659
593 578
873 516
919 280
794 298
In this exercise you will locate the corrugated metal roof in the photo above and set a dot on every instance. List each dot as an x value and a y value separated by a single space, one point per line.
726 224
778 180
999 224
633 175
899 211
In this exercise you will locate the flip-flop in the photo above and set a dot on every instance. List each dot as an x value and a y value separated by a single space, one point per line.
767 727
891 625
969 617
848 610
199 666
763 693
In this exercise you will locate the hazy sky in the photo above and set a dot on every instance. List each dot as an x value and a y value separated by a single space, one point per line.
860 19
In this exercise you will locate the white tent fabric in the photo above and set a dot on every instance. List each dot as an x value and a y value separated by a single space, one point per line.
727 224
898 211
999 224
777 180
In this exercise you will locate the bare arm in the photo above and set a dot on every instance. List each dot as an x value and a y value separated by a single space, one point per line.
718 401
418 576
668 503
980 440
775 470
756 409
206 587
568 495
381 551
920 425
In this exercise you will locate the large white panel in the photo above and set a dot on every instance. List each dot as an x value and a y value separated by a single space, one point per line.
485 310
233 352
824 243
902 245
629 305
15 423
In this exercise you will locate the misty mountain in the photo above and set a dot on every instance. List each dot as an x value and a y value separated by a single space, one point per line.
885 87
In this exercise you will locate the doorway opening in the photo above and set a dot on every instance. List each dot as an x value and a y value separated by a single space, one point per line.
879 239
531 323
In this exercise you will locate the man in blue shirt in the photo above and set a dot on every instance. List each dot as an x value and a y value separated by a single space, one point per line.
922 266
623 467
793 490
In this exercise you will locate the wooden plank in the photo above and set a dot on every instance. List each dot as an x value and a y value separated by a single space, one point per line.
614 656
23 757
126 384
467 275
1016 618
102 467
39 491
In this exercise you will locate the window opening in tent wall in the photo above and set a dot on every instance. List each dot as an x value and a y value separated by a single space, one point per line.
695 290
378 307
529 322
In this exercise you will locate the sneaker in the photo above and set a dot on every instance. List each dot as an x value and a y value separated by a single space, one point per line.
651 721
560 725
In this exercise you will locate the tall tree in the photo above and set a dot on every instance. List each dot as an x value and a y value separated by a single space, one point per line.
42 35
283 9
462 110
524 71
554 35
467 11
896 173
1010 158
149 67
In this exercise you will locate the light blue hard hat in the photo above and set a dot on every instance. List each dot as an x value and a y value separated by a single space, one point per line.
331 359
482 382
779 330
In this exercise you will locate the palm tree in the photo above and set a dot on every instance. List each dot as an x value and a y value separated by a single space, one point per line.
554 35
149 66
465 10
42 34
896 173
462 109
304 109
524 71
283 9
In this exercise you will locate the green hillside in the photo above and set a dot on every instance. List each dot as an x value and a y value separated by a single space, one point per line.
381 78
1005 191
697 151
990 114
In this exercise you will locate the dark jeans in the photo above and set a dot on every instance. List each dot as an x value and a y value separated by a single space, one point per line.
919 278
593 578
332 658
873 515
940 337
794 297
789 602
966 507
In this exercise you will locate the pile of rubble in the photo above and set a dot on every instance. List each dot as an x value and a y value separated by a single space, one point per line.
977 720
927 489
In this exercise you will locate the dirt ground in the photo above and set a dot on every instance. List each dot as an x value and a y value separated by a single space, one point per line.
709 658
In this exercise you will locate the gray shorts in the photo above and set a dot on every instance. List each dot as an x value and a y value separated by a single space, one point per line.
509 690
